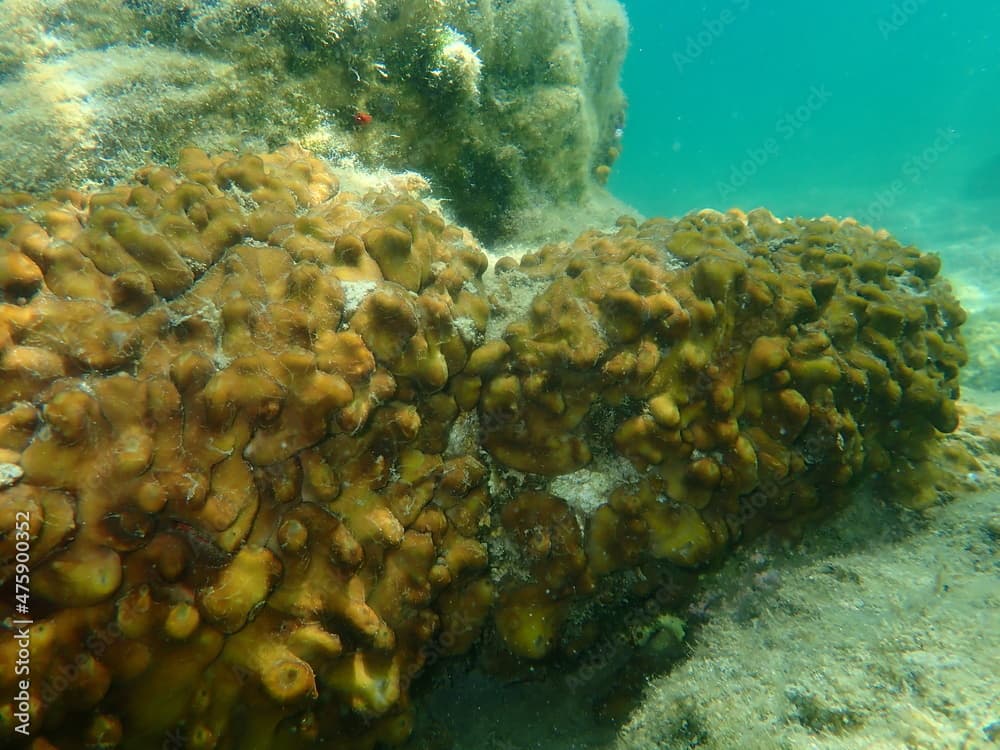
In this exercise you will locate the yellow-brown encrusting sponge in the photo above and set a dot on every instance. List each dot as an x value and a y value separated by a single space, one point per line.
223 386
273 464
744 369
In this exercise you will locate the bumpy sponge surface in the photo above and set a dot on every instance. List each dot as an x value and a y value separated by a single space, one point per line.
237 408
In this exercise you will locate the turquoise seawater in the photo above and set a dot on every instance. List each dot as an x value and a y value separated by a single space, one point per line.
885 111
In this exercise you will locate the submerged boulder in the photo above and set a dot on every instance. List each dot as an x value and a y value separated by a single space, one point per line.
269 448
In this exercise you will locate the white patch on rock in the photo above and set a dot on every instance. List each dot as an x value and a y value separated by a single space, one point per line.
10 474
354 293
587 489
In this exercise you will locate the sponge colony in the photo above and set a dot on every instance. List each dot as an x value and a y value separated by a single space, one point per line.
222 390
748 369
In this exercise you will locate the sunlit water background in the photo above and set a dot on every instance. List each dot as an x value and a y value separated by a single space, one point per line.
885 111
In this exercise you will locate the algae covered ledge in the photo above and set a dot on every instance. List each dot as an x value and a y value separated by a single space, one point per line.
503 105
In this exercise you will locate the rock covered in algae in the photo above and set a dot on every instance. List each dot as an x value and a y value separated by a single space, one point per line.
505 104
281 446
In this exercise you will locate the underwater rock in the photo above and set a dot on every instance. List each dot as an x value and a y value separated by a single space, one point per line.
279 446
503 104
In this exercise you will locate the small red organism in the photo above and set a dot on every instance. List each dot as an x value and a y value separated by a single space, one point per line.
362 119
